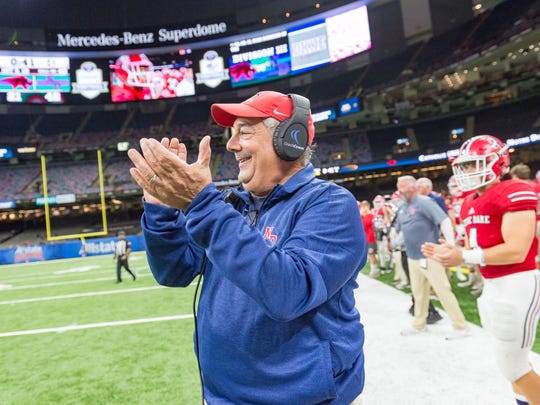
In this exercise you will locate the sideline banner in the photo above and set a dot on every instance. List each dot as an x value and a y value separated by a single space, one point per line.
64 250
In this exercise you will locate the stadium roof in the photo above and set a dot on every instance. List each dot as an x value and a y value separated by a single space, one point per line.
116 14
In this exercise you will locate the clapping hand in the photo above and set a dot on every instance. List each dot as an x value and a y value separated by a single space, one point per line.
443 252
164 174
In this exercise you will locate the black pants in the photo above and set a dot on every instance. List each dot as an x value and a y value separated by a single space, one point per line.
122 263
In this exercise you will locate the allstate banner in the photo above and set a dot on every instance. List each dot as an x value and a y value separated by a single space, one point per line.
64 250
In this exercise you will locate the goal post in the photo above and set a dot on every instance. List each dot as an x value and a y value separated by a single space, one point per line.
81 236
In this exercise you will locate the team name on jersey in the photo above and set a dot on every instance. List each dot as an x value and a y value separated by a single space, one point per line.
477 219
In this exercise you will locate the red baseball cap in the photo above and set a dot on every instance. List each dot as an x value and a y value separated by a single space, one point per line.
264 104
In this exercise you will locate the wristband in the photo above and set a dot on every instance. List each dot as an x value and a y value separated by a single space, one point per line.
473 256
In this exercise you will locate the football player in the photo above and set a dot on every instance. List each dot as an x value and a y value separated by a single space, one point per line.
456 200
500 221
380 226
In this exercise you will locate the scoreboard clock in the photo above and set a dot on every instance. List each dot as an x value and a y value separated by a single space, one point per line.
34 79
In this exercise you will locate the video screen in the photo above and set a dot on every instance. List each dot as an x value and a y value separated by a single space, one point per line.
309 47
324 115
34 79
5 153
89 81
330 40
211 70
348 34
260 59
349 106
141 77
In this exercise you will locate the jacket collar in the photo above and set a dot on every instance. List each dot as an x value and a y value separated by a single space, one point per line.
298 180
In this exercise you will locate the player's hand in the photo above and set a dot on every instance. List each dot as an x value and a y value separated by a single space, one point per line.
177 182
443 252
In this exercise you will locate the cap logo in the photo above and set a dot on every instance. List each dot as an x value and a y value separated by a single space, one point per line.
279 113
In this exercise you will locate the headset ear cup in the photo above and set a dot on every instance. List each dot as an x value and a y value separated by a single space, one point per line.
291 136
277 139
290 141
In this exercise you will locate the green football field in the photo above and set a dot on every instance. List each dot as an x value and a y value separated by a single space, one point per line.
70 335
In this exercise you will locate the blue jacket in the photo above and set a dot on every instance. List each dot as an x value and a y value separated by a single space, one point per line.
277 322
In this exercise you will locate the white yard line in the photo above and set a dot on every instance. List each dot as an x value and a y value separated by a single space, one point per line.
14 266
93 325
83 281
34 277
65 275
89 294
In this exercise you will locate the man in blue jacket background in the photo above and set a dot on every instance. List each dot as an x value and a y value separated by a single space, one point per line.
276 322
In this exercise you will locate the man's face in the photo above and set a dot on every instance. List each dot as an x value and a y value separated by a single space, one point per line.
407 190
260 169
364 209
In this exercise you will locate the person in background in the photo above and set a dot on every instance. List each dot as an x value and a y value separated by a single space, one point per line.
536 188
380 227
522 172
422 220
122 249
425 187
500 223
366 214
536 182
474 278
396 245
280 254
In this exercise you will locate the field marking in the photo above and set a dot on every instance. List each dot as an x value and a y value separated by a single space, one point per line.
83 281
32 277
94 325
89 294
135 256
79 269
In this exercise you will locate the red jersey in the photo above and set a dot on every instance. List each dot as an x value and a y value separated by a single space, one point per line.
482 216
535 184
456 201
378 218
367 220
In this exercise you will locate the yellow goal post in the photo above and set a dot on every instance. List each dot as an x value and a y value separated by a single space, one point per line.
81 236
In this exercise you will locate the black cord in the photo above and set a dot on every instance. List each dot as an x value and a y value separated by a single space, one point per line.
230 198
203 268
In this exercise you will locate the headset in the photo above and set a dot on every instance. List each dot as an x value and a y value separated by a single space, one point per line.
291 136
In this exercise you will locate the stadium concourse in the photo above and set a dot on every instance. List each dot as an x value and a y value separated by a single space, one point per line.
427 369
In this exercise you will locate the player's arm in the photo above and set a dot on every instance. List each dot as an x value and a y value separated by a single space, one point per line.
518 229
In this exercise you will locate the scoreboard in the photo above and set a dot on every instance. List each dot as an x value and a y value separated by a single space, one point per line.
202 68
34 79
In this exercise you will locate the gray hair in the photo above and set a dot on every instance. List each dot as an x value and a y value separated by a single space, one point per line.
271 123
425 182
408 179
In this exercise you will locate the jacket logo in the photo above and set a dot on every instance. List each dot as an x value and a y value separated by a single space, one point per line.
268 235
